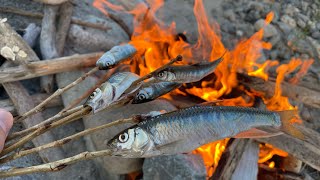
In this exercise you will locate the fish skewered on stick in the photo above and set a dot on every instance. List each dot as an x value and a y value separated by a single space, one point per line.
152 90
115 55
186 129
110 91
187 73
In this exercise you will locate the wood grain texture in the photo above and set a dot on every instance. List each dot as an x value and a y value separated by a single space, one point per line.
47 67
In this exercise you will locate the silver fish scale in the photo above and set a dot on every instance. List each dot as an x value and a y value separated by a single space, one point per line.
194 72
162 88
204 124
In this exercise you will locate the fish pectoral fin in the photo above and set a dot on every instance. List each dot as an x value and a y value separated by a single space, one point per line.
258 133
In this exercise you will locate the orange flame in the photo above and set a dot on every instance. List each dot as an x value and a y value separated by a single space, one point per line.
157 43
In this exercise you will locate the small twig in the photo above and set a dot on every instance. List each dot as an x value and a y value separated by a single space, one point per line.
43 123
56 165
39 107
44 129
65 140
40 16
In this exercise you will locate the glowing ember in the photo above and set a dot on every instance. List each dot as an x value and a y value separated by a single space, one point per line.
158 43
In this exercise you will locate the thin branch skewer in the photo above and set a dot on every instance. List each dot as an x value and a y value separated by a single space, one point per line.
65 140
43 123
44 129
39 107
56 165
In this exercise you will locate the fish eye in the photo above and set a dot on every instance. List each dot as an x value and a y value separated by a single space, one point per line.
141 97
161 74
93 94
123 137
108 64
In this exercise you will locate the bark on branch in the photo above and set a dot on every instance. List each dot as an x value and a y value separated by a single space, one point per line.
41 68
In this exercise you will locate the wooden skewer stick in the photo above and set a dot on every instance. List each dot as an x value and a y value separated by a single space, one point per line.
56 165
44 129
39 107
43 123
65 140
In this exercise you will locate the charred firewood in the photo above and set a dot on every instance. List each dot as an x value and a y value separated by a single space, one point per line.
294 92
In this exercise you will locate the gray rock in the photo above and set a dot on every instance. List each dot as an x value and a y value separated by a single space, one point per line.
284 27
174 167
318 26
269 30
289 21
97 141
301 23
304 5
291 10
316 34
229 14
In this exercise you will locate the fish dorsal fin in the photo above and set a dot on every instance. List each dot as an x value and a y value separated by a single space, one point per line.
258 133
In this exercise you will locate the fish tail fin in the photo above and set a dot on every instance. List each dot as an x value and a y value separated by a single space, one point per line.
288 119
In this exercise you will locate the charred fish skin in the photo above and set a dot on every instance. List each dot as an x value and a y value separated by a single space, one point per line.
186 129
115 55
187 73
154 90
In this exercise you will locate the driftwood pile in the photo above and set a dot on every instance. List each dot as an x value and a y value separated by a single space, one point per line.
23 63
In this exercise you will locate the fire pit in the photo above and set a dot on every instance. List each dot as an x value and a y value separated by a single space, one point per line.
156 57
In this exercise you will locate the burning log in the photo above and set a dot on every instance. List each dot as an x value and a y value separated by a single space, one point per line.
294 92
238 160
303 150
41 68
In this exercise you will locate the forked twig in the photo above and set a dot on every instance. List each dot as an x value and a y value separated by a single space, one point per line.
44 129
43 123
65 140
56 165
39 107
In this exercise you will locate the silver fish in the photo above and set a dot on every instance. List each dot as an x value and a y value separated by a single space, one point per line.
115 55
111 90
187 73
152 90
187 129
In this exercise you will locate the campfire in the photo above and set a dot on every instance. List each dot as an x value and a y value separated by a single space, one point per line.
130 84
